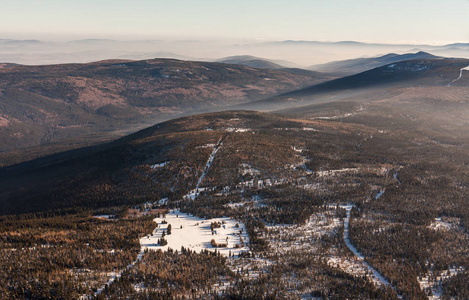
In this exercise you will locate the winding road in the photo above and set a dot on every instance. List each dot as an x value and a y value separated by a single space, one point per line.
354 250
460 75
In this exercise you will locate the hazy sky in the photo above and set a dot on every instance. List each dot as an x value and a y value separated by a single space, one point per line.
424 21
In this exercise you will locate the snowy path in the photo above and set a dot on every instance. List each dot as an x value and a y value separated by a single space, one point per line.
209 163
118 275
460 75
195 192
352 248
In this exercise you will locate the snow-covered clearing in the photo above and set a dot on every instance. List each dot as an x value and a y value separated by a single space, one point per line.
434 284
159 165
353 266
460 75
195 233
285 238
246 169
309 129
335 117
298 129
445 223
106 217
207 146
335 172
297 149
346 115
233 129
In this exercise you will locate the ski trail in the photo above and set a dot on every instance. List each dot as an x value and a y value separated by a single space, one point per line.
460 75
209 163
196 191
354 250
396 176
118 275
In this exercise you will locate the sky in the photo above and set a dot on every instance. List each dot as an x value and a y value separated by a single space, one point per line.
396 21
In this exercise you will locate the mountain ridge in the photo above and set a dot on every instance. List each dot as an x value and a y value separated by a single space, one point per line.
358 65
49 103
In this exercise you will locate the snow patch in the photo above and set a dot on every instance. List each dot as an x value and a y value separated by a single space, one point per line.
335 117
195 233
435 285
444 223
107 217
233 129
299 150
247 169
338 171
207 146
159 165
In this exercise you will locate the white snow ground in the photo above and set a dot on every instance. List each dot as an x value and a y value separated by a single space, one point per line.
159 165
445 223
195 233
435 285
334 172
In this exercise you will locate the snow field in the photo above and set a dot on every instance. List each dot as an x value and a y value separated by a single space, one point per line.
445 223
195 233
107 217
233 129
435 285
159 165
285 238
247 169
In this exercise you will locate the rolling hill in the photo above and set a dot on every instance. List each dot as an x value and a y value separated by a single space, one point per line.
77 103
358 65
259 62
405 76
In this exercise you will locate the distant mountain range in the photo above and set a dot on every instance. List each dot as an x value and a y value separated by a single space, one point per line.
257 62
290 54
355 43
358 65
